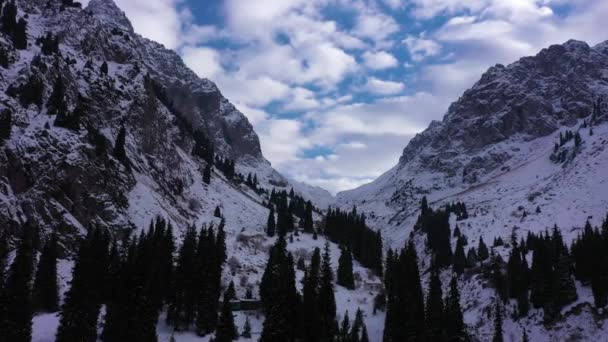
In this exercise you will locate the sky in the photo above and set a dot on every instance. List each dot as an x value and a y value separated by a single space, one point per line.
335 89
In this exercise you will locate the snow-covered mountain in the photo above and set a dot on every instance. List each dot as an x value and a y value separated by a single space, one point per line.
495 150
70 173
55 176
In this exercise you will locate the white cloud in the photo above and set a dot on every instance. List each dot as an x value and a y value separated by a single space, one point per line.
282 140
420 48
382 87
205 62
379 60
309 68
375 26
394 4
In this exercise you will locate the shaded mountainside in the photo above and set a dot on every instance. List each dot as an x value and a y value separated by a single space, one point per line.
82 76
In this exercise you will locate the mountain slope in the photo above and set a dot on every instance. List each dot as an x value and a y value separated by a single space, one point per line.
70 178
99 127
498 150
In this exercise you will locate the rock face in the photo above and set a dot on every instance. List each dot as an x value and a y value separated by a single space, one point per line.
532 98
70 178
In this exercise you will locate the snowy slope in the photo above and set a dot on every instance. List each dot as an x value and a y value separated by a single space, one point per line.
493 151
68 180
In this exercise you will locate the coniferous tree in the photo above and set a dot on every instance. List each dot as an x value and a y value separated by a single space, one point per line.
15 299
46 290
453 313
344 335
72 120
434 307
460 260
8 20
345 269
6 124
119 147
210 257
271 225
217 212
472 257
524 337
230 293
207 174
326 299
405 316
226 330
482 250
357 325
349 228
20 35
80 310
104 68
246 329
498 333
364 337
56 103
310 299
308 221
181 311
279 296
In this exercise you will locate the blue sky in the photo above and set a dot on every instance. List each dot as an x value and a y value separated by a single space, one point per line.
336 88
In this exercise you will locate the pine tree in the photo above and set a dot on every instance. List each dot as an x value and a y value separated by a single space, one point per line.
327 301
524 337
482 250
9 18
104 68
119 147
246 329
181 311
271 226
308 221
497 323
453 313
56 103
230 293
6 123
434 306
405 316
46 290
80 310
357 325
460 260
279 296
344 335
207 174
310 299
16 312
364 337
20 35
345 269
226 330
217 213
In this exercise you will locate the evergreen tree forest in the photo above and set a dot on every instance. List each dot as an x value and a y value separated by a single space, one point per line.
349 229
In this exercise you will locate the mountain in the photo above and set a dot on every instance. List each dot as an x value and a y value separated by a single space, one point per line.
102 128
70 177
509 149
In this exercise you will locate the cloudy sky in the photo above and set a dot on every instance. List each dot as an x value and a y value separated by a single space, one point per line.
336 88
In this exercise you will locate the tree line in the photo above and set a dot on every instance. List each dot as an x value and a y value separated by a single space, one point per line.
350 230
135 278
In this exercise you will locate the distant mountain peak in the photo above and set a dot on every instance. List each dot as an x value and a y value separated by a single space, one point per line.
110 14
